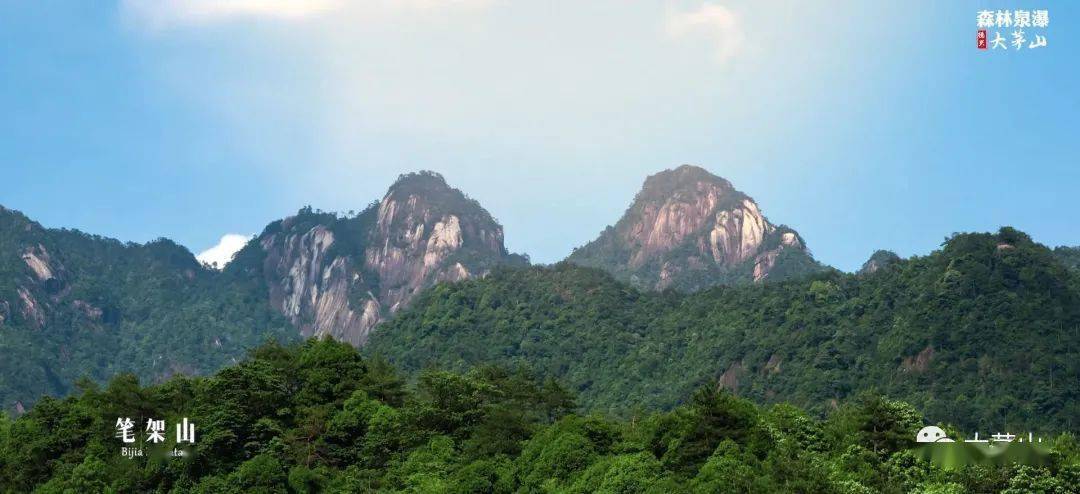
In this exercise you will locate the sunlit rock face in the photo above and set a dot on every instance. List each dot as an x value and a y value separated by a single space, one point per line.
310 285
38 286
689 229
341 276
419 231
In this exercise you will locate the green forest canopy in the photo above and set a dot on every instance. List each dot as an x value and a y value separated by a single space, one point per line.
317 417
983 333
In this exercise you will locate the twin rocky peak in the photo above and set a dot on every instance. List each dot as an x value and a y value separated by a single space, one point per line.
340 276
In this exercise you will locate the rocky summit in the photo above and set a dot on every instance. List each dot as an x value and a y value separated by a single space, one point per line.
689 229
881 259
340 276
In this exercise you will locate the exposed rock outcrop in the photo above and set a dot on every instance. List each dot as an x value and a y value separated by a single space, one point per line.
88 310
878 261
39 262
689 229
310 286
340 276
30 309
773 365
730 379
919 362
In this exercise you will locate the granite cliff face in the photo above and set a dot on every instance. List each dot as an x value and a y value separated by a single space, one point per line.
38 291
39 288
310 286
688 229
340 276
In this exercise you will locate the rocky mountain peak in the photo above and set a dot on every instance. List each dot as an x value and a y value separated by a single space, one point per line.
429 184
879 260
424 232
340 276
685 180
422 206
689 229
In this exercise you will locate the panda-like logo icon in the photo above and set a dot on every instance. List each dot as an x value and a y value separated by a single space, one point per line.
932 434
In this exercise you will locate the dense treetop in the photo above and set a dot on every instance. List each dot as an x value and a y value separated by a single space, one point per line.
316 417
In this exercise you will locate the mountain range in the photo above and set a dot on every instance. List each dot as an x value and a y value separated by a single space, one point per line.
693 285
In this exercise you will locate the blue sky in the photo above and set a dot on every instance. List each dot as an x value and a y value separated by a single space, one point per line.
862 126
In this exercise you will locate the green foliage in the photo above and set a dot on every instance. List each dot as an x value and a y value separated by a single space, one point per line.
108 307
1069 256
280 421
983 334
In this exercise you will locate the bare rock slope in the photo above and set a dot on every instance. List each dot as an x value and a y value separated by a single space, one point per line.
688 229
340 276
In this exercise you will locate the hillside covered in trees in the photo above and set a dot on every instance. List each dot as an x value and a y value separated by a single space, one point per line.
317 417
77 305
74 304
983 333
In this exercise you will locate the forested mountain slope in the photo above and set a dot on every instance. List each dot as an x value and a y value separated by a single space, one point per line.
75 305
1070 256
984 332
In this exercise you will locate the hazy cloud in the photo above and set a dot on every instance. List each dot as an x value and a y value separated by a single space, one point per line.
223 252
713 22
158 15
334 105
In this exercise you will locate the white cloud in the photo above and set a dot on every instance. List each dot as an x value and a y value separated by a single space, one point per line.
714 22
159 15
223 252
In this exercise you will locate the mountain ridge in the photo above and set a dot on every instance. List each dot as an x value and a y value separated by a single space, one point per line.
926 330
66 295
75 305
